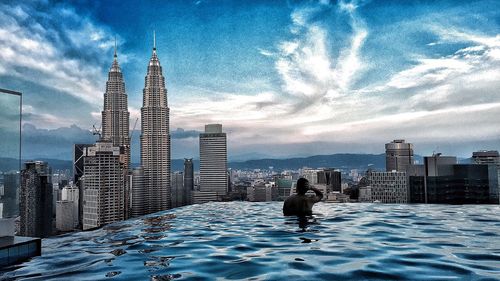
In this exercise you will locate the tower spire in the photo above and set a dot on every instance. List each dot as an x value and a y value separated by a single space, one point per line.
154 40
115 48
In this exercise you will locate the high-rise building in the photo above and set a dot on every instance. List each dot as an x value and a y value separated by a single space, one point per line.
104 184
177 195
79 152
115 122
213 160
35 200
155 138
388 187
115 115
491 157
188 179
398 155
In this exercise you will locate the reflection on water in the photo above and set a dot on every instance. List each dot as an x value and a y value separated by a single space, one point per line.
242 240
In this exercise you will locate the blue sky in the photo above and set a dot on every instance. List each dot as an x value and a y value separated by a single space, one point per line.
283 77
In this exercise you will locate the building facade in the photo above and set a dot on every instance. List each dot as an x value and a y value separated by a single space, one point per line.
398 155
79 152
178 193
188 179
65 217
104 183
331 178
388 187
155 139
446 182
213 160
72 194
35 200
138 192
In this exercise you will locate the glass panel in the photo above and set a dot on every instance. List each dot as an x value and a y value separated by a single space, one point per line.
10 152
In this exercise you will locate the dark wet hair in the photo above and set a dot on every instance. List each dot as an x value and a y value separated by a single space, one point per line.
302 186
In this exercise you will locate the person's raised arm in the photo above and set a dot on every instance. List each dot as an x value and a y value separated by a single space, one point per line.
319 194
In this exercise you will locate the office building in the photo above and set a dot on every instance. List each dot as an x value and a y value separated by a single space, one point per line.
398 155
446 182
283 185
486 157
155 139
310 174
213 160
388 187
35 200
104 183
188 179
79 152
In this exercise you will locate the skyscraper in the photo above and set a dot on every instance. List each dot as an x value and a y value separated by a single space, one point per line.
188 179
213 160
138 207
79 151
115 115
398 155
35 200
155 138
115 122
104 184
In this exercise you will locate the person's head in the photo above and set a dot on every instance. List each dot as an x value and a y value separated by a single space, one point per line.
302 186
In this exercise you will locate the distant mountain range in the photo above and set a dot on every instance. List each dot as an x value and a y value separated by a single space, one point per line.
343 160
340 160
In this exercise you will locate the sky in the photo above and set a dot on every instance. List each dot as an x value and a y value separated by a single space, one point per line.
285 78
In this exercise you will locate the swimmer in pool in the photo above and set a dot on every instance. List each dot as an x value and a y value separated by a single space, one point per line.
300 204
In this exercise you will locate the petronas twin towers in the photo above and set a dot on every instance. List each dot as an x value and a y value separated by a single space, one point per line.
148 190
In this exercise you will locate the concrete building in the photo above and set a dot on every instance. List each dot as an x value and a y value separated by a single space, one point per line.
398 155
188 180
310 174
35 200
72 194
388 187
104 184
365 194
65 215
155 139
260 192
138 193
213 160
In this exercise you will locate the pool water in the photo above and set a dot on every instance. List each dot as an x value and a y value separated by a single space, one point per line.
253 241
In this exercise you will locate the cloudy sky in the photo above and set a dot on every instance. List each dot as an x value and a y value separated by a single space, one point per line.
285 78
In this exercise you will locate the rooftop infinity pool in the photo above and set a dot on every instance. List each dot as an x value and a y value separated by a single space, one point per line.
243 240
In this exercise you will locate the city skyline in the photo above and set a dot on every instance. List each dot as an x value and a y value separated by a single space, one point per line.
427 73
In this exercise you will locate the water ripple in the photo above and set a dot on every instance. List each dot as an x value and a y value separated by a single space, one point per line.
253 241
